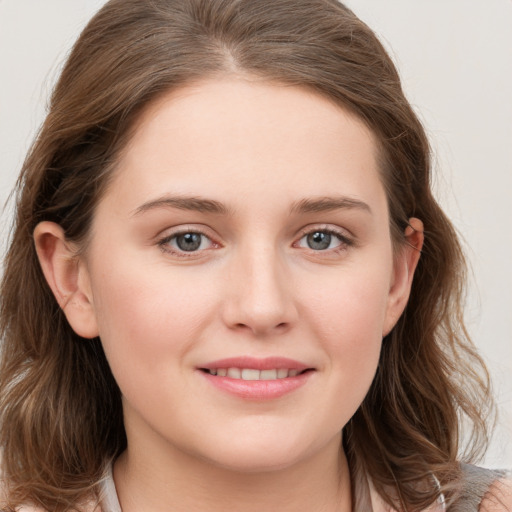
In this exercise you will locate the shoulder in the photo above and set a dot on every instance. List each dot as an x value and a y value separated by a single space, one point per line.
89 506
499 496
32 508
28 508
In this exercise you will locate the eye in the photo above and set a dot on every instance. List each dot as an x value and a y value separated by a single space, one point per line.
323 239
185 242
319 240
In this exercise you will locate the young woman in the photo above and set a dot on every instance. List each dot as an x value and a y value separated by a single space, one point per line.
229 285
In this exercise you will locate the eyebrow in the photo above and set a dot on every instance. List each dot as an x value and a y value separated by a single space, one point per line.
203 205
192 203
328 203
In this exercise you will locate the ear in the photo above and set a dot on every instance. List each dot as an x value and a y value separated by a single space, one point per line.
403 272
67 276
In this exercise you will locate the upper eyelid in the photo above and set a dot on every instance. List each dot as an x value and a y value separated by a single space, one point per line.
342 232
171 232
346 238
168 234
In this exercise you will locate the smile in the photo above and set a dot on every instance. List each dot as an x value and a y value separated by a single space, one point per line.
254 374
250 378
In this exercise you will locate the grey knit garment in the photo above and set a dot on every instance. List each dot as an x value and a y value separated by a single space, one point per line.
475 485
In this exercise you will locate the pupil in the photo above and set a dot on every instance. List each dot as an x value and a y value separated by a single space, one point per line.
319 241
189 241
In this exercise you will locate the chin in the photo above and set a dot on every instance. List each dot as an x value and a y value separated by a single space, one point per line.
250 463
252 454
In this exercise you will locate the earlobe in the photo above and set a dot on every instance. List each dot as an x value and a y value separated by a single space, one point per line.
67 277
403 273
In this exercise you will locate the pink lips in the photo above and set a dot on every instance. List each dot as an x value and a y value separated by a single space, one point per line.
257 389
266 363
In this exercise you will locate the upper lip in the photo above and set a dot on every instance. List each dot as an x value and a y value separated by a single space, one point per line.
266 363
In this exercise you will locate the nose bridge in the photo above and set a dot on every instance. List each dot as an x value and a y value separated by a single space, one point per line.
260 298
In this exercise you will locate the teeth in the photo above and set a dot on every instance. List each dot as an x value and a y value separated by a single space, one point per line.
269 374
252 374
234 373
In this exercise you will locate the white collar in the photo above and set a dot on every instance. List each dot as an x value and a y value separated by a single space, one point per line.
109 502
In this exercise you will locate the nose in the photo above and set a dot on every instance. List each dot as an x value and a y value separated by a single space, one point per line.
260 297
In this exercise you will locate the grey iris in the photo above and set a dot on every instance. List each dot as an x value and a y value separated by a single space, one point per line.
189 241
319 240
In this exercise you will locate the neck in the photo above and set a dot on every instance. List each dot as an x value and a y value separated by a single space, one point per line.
172 480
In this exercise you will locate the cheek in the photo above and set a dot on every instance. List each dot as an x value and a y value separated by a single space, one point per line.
350 302
347 316
148 317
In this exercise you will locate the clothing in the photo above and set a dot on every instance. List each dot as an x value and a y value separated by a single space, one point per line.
476 482
109 500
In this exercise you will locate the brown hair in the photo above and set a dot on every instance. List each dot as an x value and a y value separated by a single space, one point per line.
61 414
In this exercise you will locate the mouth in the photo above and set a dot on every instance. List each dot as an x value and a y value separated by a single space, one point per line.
257 379
255 374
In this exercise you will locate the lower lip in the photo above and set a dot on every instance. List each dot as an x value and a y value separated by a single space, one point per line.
258 389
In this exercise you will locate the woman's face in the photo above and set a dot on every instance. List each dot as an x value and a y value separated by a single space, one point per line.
245 235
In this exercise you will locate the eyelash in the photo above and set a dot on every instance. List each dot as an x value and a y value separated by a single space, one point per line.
344 241
165 247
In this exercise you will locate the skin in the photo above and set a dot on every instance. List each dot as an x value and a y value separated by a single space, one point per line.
268 156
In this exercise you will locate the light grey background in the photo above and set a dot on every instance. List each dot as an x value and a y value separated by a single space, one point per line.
455 57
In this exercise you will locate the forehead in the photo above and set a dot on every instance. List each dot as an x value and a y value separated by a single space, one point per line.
239 137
